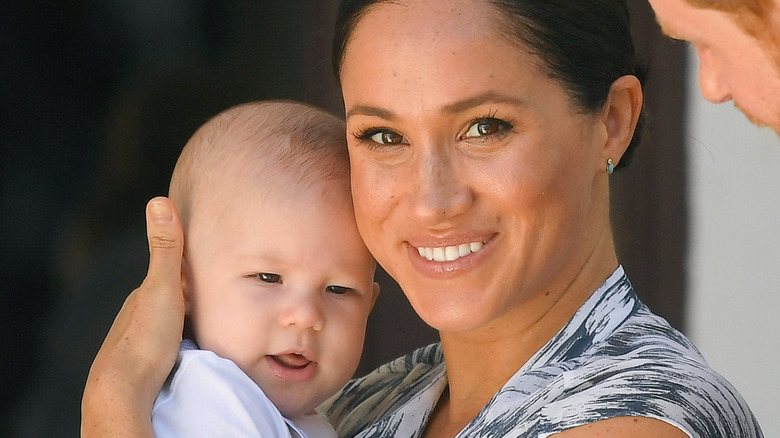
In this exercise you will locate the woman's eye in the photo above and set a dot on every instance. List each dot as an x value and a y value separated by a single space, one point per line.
338 290
487 127
384 137
269 278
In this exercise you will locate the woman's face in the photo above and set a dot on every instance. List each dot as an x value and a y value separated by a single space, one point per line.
477 184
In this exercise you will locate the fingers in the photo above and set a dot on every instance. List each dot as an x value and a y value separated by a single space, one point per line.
155 311
166 243
140 348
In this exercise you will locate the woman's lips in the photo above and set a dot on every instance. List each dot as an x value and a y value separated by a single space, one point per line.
292 367
447 259
449 253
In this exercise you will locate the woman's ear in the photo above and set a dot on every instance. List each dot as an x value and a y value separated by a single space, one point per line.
620 116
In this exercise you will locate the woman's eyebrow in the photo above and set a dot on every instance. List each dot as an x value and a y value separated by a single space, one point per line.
366 110
451 108
481 99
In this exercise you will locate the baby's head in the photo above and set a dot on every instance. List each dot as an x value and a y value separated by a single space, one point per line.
275 275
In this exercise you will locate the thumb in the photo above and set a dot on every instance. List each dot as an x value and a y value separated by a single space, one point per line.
166 242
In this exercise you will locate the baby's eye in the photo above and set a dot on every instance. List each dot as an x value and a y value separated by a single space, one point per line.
268 277
383 136
338 290
487 127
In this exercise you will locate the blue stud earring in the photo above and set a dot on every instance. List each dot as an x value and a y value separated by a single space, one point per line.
610 166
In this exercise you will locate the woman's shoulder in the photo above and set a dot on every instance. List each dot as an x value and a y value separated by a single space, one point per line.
363 401
615 364
649 369
678 391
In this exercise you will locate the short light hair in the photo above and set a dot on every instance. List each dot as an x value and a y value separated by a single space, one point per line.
279 141
753 16
758 7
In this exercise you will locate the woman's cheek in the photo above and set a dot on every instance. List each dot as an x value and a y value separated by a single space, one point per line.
372 189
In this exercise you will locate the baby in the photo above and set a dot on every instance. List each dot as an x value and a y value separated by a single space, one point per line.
277 282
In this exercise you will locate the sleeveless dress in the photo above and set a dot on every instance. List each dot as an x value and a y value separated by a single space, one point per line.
614 358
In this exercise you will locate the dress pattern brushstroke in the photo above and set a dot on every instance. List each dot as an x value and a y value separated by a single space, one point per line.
614 358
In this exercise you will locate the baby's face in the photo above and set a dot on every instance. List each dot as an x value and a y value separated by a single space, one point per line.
282 285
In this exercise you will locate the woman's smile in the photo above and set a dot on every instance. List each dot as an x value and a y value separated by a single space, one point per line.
447 260
449 253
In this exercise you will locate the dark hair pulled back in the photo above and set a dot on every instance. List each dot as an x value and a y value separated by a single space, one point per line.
585 45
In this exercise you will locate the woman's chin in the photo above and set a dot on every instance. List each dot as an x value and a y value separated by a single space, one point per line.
446 314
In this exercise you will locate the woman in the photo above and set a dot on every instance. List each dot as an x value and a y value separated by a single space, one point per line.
481 136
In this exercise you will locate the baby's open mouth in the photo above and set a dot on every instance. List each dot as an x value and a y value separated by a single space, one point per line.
292 367
292 361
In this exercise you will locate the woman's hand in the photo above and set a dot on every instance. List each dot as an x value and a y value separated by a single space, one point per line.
141 347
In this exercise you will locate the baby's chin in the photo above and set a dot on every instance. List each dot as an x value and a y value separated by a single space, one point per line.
300 407
298 404
297 411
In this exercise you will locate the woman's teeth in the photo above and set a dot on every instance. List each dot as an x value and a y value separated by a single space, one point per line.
449 253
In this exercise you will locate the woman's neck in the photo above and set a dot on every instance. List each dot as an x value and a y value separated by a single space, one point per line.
480 362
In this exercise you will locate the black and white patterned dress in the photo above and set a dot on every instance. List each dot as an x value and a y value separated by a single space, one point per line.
614 358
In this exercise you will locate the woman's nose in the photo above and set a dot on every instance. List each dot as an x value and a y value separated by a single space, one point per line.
303 312
441 192
713 84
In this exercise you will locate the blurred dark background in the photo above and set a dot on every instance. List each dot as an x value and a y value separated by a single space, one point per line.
98 97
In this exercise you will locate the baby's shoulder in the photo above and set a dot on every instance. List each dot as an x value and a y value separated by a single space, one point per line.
207 395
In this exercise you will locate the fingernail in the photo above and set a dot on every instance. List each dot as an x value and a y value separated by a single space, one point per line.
160 213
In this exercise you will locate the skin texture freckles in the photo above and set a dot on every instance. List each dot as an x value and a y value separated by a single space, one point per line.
444 189
494 157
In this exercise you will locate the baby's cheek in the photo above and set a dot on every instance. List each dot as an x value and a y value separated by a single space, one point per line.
350 347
